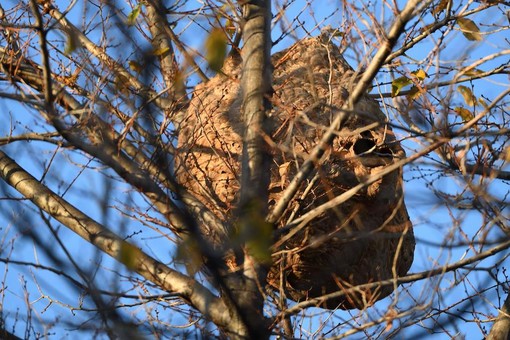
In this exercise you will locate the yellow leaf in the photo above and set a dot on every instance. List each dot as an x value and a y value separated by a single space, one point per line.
131 18
469 29
390 316
464 113
161 51
505 155
230 28
428 27
469 97
420 74
179 81
135 66
216 49
121 84
283 171
414 93
128 255
483 103
398 84
474 72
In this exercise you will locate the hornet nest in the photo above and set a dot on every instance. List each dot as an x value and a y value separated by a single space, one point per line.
365 239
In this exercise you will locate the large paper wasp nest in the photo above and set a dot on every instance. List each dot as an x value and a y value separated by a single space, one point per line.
366 239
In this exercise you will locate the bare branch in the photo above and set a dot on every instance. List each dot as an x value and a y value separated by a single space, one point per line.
162 44
103 145
51 137
501 328
256 80
168 279
358 91
432 147
100 54
403 279
256 160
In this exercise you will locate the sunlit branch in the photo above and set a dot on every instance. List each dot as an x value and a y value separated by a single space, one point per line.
358 91
501 327
428 30
50 137
161 43
103 145
104 239
432 147
503 69
101 55
403 279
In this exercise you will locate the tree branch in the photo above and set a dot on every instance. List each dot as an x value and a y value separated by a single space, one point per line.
168 279
256 87
100 54
300 222
398 280
256 82
359 90
104 145
161 42
501 328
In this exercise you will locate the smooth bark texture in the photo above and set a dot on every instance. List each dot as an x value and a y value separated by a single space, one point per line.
255 88
501 327
170 280
255 175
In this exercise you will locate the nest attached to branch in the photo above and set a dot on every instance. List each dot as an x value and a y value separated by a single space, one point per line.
365 239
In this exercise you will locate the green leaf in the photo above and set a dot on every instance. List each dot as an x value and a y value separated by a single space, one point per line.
216 49
399 83
255 232
128 255
72 43
259 246
464 113
469 29
189 254
469 97
131 18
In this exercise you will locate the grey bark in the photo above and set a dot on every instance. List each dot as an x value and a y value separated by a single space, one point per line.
501 327
246 286
196 294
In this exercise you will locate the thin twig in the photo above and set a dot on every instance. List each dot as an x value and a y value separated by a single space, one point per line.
356 94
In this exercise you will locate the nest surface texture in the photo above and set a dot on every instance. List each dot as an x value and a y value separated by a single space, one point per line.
365 239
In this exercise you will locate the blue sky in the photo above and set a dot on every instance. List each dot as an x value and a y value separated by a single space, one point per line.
432 219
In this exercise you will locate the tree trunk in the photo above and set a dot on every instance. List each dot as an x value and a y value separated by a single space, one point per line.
501 328
248 286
